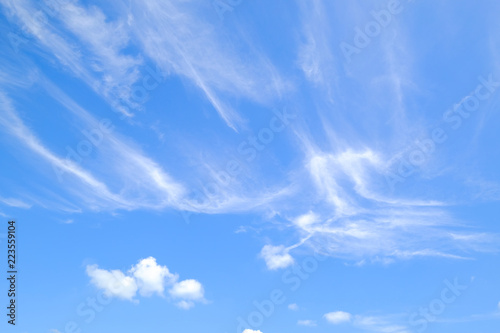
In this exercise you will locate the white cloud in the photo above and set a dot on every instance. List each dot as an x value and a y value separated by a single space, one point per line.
151 278
147 278
306 220
197 49
338 317
109 72
187 289
251 331
15 202
185 305
276 257
323 173
382 324
11 121
114 283
293 307
352 220
315 57
310 323
379 324
152 184
129 180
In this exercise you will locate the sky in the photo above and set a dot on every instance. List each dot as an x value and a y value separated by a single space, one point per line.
236 166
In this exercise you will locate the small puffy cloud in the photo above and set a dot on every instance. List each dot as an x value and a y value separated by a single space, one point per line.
185 305
338 317
187 289
251 331
306 220
276 257
114 283
293 307
385 324
147 278
310 323
151 278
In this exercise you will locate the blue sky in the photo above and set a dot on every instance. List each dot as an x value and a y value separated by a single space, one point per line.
252 167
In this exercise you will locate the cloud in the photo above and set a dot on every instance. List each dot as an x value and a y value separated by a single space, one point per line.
11 121
15 203
98 59
382 324
198 50
147 278
276 257
293 307
315 57
137 172
251 331
306 220
346 211
114 283
353 218
185 305
338 317
379 324
151 278
187 289
310 323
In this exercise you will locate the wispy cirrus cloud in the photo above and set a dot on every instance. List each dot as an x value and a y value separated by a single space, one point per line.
85 42
307 322
349 218
195 47
335 196
13 202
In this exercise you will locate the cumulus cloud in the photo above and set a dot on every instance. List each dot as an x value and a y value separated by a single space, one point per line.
151 278
306 220
189 291
338 317
147 278
276 257
251 331
383 324
114 283
310 323
380 324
